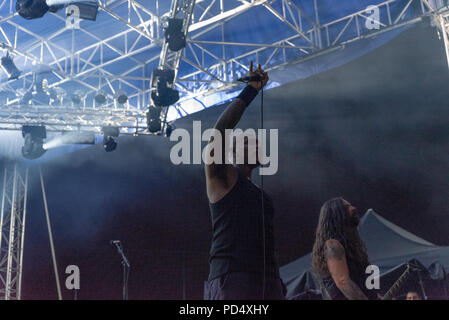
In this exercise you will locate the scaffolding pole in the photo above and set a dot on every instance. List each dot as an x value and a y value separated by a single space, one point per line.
12 230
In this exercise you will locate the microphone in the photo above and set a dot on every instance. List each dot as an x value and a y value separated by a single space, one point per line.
114 242
250 78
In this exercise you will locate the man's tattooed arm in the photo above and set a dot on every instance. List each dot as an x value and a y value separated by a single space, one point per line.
338 268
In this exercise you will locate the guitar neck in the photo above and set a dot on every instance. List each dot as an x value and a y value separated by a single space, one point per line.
397 285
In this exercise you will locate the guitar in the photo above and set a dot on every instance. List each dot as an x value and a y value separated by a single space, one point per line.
399 283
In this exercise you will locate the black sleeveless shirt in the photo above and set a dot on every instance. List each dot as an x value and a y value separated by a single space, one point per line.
237 243
357 274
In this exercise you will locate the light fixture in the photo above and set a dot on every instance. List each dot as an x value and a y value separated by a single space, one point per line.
33 9
42 86
77 97
174 35
154 119
9 67
121 97
87 10
34 140
42 95
100 97
58 94
164 95
110 135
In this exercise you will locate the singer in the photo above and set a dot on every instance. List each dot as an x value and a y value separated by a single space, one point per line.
242 266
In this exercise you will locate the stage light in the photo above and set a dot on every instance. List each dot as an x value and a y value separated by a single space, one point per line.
9 67
42 94
77 97
34 139
58 94
31 9
100 97
164 96
110 135
42 86
174 35
154 119
87 10
121 97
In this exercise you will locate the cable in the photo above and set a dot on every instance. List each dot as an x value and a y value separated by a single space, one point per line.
263 206
50 235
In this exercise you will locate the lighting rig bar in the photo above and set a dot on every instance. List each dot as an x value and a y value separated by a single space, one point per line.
142 32
170 60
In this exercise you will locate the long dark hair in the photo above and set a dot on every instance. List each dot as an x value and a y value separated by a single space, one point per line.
334 223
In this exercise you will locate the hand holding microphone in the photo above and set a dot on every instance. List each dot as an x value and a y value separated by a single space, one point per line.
257 79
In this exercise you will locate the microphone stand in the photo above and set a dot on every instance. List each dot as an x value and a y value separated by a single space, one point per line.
126 269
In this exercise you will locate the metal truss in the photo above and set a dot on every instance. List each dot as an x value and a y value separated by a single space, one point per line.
12 231
90 58
171 60
441 20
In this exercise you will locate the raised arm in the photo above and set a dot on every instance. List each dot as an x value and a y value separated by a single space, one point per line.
338 268
220 176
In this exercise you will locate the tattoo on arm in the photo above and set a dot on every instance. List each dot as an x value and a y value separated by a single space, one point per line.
335 252
353 292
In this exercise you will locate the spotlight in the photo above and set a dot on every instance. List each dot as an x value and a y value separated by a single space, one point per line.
77 97
154 119
110 135
42 92
121 97
174 35
164 96
9 67
34 139
163 75
31 9
58 94
86 9
100 97
42 86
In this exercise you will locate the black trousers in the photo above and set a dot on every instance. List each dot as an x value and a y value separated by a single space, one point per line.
244 286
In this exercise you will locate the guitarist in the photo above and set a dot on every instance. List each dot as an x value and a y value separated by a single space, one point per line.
339 256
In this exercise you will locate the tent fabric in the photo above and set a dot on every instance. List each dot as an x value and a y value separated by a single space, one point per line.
388 246
306 287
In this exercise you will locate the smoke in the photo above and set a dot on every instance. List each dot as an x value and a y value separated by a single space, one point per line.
10 145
